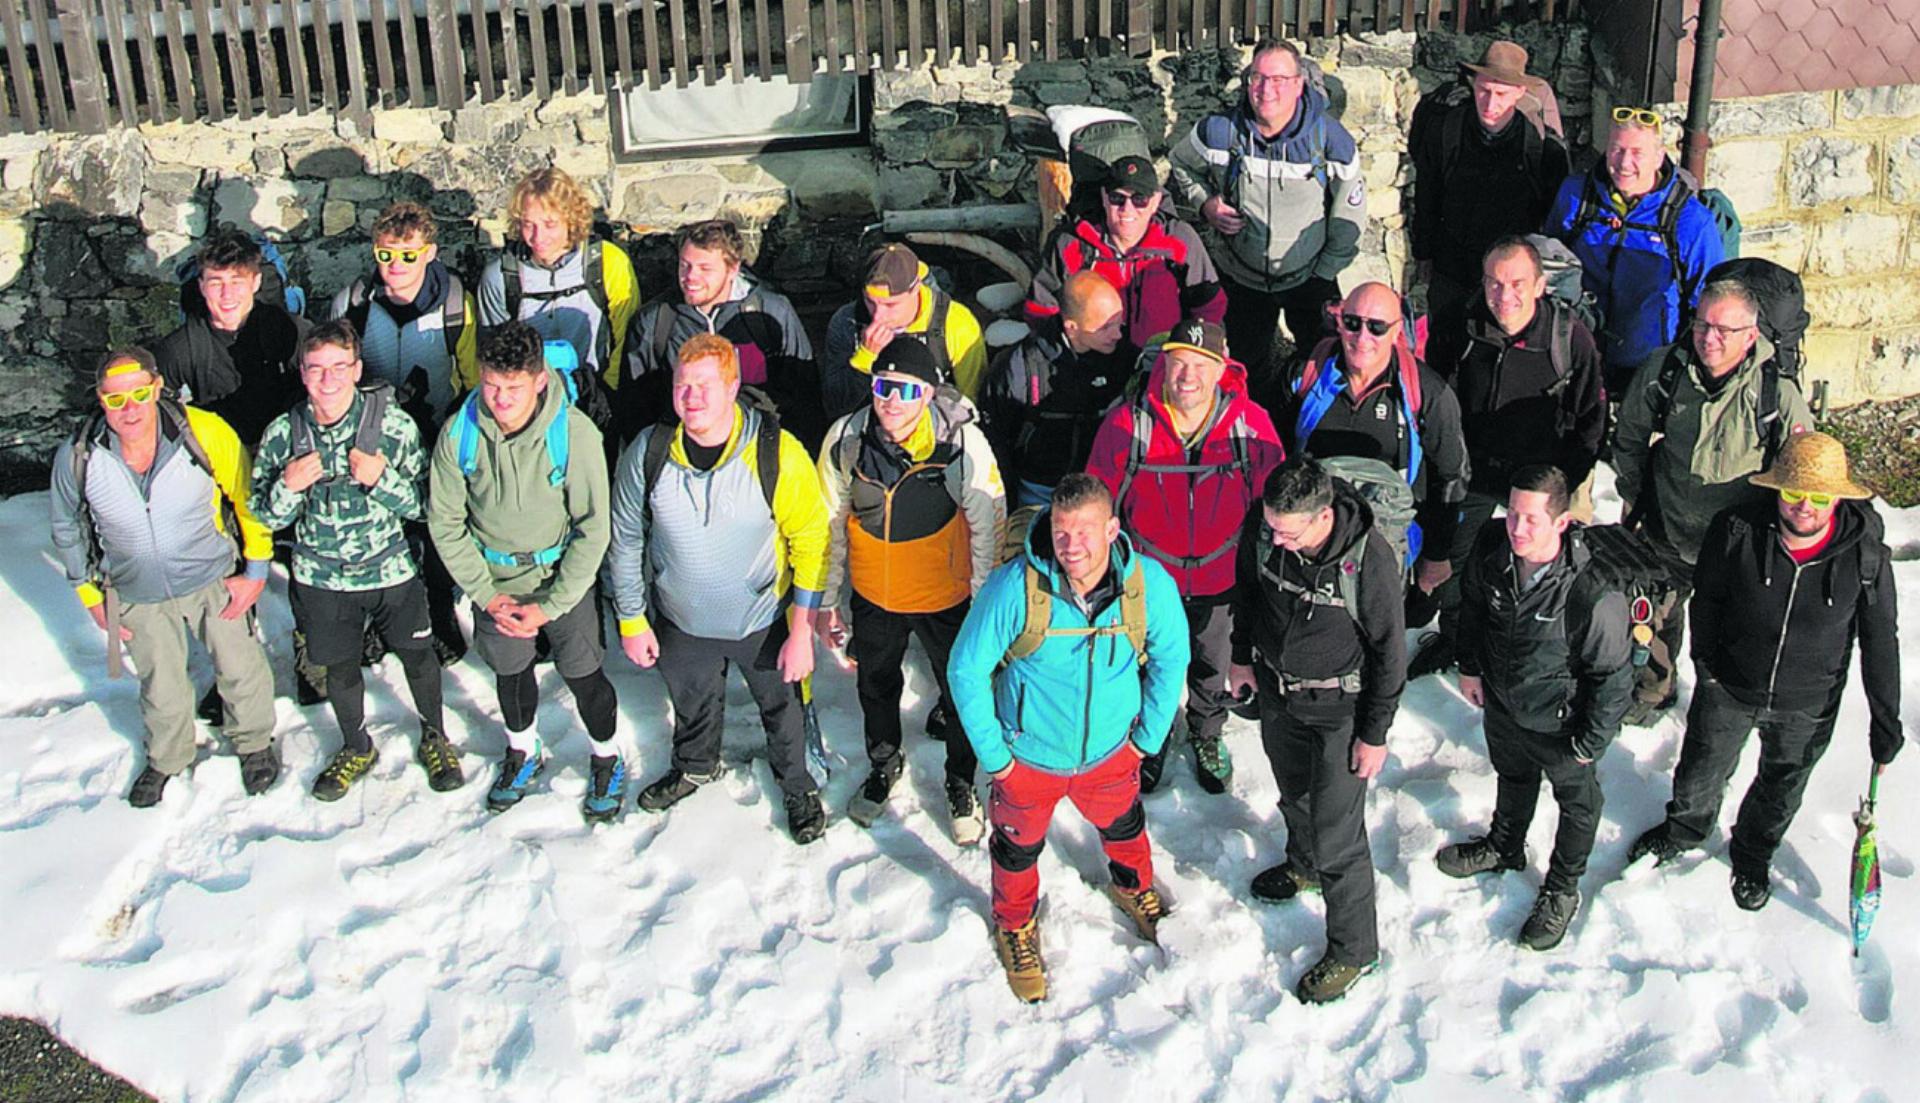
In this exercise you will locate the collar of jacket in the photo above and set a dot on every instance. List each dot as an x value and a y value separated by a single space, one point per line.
1040 554
736 438
1292 138
1537 334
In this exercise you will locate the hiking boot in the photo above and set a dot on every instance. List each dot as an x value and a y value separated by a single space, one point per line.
939 722
517 771
606 788
1151 767
871 801
1328 980
673 787
1552 914
1751 893
440 760
1657 842
1212 765
1476 856
963 812
347 767
1144 907
1643 713
1436 655
1019 951
211 709
147 788
806 819
1282 883
259 770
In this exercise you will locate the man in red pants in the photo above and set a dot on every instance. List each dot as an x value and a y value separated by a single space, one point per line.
1066 673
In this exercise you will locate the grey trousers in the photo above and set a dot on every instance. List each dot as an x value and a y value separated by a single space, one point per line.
167 698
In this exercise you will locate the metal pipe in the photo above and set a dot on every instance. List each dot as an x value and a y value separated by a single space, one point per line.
1706 43
998 216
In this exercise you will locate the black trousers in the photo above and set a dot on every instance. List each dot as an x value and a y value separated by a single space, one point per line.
1475 511
879 646
695 669
1251 315
1791 742
1653 682
334 622
1210 631
1309 743
1521 758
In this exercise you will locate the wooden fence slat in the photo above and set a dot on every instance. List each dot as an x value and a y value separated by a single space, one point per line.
708 56
207 63
410 54
298 85
996 32
736 43
357 98
623 42
26 102
943 32
1140 27
1052 29
1407 17
1102 22
798 26
1077 21
916 42
482 49
862 52
382 28
830 50
237 60
1173 25
1223 23
449 67
268 58
1300 16
763 38
1460 14
569 59
537 49
150 77
1023 48
889 35
49 64
1546 12
677 35
510 48
125 91
1329 22
597 48
83 65
970 32
1250 20
1199 31
326 56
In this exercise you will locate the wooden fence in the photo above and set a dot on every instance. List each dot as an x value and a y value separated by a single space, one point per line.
86 65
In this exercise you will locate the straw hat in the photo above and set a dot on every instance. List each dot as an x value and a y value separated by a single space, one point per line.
1811 463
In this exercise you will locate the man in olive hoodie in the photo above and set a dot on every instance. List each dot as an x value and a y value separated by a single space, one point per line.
518 511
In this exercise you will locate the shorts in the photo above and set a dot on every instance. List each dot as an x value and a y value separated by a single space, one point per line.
335 621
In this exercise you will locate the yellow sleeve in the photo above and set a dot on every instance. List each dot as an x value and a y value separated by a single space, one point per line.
633 626
232 470
968 350
800 513
90 594
623 300
466 351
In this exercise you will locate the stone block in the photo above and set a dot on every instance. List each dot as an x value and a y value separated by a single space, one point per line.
324 158
1857 243
894 90
64 263
587 163
336 217
474 178
962 145
1892 101
754 209
1890 365
200 146
1834 357
675 199
1903 169
1387 50
1829 170
911 188
1750 173
1784 243
1373 97
1863 303
171 203
827 187
1771 116
410 125
357 189
17 172
16 241
1055 93
277 206
99 176
269 160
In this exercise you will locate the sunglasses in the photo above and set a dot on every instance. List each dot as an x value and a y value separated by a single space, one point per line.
1795 497
906 390
1638 115
405 256
139 396
1121 199
1354 323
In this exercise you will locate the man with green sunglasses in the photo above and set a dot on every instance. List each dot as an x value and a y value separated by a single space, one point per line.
1785 587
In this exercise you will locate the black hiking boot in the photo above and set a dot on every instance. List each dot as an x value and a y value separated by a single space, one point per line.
1751 893
259 770
606 789
147 788
347 767
1436 655
939 722
1476 856
1657 842
673 787
441 762
870 803
1283 882
1152 766
806 820
1552 914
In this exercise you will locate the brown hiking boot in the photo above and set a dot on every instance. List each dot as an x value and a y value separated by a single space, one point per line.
1019 951
1328 980
1144 907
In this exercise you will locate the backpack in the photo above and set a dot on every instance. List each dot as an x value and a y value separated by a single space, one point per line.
1239 437
1037 628
453 309
1317 388
565 362
276 284
1093 138
593 263
766 451
1684 189
1622 561
1566 283
1783 305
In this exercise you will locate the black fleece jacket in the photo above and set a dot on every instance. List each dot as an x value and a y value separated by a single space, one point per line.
1517 410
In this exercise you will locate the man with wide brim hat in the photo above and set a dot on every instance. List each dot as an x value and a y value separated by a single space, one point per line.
1784 586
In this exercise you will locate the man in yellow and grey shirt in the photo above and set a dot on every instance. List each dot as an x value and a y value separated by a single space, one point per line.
719 555
146 499
898 300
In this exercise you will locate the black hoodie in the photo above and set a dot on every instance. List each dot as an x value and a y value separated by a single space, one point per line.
248 377
1777 634
1306 640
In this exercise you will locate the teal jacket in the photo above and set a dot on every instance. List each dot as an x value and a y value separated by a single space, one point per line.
1069 705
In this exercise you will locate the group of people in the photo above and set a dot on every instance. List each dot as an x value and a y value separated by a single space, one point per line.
1142 498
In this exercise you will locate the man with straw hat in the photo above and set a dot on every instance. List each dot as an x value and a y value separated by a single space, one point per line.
1783 589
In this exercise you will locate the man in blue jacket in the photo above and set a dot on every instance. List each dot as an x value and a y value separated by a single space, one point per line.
1644 242
1094 644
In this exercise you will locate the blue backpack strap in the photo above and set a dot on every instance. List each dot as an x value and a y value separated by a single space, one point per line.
466 434
561 357
1317 399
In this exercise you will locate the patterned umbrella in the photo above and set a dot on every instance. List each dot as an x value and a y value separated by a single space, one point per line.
1865 901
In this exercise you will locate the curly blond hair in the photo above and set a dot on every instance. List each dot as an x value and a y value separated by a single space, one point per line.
557 192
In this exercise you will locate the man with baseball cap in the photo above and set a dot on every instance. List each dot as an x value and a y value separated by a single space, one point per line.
151 523
897 299
1489 156
1782 589
1157 261
1185 460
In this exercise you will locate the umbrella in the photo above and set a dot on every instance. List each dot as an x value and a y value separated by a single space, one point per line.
817 744
1864 903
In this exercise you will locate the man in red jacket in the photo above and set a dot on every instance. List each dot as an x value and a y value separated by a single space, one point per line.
1185 459
1156 261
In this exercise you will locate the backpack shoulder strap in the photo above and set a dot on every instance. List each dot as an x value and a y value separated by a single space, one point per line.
1664 386
453 312
1560 357
300 429
766 454
1872 553
937 332
593 272
1133 610
654 460
1033 631
1348 582
510 281
1140 419
466 433
662 343
367 435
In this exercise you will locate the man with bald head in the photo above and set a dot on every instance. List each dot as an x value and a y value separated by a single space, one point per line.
1044 397
1365 397
1644 243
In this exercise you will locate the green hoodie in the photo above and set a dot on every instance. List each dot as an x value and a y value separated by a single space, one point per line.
510 504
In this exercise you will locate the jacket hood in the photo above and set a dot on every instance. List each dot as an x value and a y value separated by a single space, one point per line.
1352 517
1040 548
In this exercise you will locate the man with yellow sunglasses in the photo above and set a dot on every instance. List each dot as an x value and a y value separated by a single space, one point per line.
147 499
1785 587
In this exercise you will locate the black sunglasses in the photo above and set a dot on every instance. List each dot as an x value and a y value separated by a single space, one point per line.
1353 323
1121 199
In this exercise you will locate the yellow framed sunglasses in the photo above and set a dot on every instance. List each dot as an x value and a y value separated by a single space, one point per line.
406 256
1639 115
139 396
1795 497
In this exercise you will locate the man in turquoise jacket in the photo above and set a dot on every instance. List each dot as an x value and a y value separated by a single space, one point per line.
1093 639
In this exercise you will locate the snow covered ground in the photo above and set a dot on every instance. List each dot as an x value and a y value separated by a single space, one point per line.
403 944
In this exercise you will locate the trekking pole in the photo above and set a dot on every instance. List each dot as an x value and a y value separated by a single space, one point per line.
115 667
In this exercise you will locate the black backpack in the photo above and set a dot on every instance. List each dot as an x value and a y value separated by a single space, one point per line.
1783 305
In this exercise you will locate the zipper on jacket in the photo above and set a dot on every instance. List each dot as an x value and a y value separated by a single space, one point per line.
1786 619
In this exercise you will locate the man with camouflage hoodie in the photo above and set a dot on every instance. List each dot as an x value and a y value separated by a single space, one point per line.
344 470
